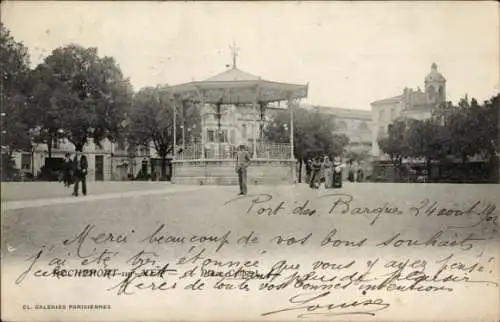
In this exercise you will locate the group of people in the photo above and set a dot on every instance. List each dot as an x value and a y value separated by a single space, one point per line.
318 170
75 171
323 170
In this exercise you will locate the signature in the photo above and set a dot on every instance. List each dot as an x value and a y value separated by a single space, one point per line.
308 306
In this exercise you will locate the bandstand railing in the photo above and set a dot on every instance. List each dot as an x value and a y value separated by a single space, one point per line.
226 151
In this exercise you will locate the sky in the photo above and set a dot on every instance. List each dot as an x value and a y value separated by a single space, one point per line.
350 53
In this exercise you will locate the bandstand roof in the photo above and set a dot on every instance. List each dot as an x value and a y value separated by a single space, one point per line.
235 86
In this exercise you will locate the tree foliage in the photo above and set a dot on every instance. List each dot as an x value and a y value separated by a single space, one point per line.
461 131
80 96
395 143
14 92
427 139
151 120
473 128
313 133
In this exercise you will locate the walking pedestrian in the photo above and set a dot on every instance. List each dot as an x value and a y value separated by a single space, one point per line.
361 172
328 172
315 173
308 171
80 168
337 172
68 170
242 163
350 175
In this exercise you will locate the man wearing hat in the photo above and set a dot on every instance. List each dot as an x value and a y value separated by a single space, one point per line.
80 166
242 163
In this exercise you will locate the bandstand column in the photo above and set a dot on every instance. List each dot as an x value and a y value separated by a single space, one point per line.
175 128
290 106
202 108
254 106
183 127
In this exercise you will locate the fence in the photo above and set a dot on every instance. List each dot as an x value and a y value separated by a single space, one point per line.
470 172
224 151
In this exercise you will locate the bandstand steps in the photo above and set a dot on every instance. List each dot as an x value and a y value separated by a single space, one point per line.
265 172
221 181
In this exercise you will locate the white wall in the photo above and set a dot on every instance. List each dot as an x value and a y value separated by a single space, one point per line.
383 115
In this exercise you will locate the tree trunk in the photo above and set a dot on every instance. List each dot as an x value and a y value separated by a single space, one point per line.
428 166
300 170
464 168
33 162
163 166
49 146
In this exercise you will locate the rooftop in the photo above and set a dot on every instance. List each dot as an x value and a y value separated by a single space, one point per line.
339 112
394 99
233 74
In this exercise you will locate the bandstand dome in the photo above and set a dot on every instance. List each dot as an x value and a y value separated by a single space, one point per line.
235 86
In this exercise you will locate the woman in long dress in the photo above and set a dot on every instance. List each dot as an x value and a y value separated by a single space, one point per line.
315 174
337 173
308 171
328 172
350 174
361 173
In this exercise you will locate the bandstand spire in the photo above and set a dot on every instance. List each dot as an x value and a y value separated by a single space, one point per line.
235 50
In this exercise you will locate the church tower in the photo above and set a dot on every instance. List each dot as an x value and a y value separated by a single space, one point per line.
435 86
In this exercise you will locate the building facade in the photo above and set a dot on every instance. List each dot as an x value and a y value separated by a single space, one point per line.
99 158
110 161
413 104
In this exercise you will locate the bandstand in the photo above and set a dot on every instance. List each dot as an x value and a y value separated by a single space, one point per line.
234 108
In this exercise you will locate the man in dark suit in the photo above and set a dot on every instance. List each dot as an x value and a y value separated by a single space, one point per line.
80 167
242 163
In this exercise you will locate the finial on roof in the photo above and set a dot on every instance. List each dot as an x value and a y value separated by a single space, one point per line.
234 49
434 66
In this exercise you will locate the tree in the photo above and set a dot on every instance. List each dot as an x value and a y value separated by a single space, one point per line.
489 114
395 143
474 130
151 121
14 93
313 133
14 99
429 140
80 96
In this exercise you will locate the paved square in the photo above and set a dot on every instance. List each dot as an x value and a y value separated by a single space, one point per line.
292 223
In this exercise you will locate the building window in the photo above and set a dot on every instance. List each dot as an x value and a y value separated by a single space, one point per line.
143 151
25 161
121 146
210 136
244 131
393 113
56 143
441 93
381 115
342 126
223 136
